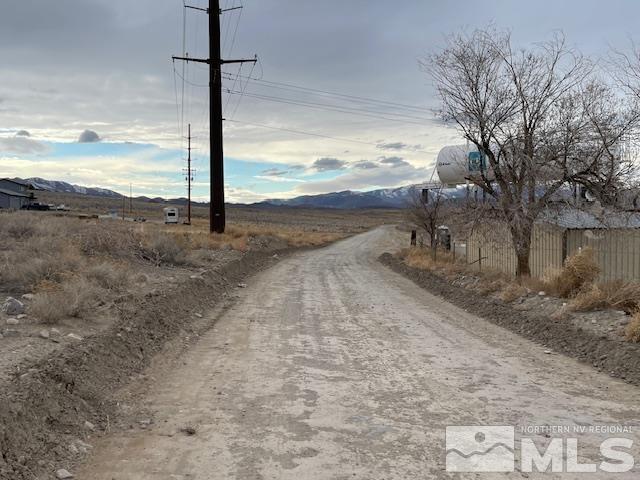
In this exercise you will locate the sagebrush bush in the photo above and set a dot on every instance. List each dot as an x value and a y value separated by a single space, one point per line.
513 291
165 248
590 297
618 294
73 298
579 269
632 331
108 275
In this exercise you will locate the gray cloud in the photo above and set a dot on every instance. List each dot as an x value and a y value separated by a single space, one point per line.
22 145
274 172
327 164
22 133
398 146
89 136
364 179
394 161
366 165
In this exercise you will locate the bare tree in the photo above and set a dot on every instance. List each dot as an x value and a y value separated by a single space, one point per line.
427 210
540 120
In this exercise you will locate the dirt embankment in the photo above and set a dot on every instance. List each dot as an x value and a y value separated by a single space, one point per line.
616 358
48 413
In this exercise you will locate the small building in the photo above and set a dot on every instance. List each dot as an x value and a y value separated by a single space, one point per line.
15 194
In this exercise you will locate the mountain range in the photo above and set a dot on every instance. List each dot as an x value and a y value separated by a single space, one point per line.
383 198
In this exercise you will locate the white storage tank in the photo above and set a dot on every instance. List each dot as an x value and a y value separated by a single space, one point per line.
456 164
171 215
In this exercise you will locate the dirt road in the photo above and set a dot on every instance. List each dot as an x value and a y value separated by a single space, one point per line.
331 366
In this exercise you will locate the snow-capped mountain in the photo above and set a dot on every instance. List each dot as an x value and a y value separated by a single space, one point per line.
384 198
64 187
400 197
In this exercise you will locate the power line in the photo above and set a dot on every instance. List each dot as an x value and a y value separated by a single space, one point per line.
331 108
293 87
244 88
313 134
235 30
302 132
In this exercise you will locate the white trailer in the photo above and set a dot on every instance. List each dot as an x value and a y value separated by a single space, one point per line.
171 215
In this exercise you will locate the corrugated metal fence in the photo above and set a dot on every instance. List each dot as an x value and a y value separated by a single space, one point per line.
617 250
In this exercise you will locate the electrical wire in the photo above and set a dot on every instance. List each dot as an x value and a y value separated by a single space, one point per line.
244 88
296 88
326 107
302 132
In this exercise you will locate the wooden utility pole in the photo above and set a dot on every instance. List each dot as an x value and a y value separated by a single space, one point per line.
217 219
189 177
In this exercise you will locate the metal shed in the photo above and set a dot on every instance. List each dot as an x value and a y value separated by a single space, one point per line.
614 236
13 200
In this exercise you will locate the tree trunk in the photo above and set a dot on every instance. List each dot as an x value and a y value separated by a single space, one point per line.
521 237
522 267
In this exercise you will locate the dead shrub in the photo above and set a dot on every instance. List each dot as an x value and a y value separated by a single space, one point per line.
486 286
108 276
71 299
164 248
38 259
622 295
618 294
512 292
18 227
591 297
579 270
632 330
109 239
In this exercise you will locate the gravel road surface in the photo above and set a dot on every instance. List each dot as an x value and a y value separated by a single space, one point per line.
331 366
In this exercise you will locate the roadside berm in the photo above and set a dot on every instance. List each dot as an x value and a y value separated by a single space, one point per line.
52 409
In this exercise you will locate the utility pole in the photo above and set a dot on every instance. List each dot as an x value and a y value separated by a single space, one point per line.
217 219
189 177
131 199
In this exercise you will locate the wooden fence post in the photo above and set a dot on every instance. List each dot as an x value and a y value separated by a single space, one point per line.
479 259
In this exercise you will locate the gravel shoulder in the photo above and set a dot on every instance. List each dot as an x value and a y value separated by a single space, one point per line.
574 336
56 400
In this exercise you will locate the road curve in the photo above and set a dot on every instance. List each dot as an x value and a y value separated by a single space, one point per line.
331 366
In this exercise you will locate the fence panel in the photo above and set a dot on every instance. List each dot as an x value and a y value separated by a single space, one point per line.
617 250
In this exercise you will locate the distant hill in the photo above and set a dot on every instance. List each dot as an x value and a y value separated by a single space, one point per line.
64 187
383 198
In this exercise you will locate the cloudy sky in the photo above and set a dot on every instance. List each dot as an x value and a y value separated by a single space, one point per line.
89 95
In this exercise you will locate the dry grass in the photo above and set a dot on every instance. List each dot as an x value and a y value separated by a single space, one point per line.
619 295
109 276
240 237
591 297
164 248
73 298
513 291
443 264
632 331
70 263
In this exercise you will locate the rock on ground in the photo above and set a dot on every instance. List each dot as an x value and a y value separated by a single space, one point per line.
11 306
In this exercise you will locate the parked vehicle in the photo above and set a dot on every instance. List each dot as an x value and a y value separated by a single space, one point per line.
171 215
